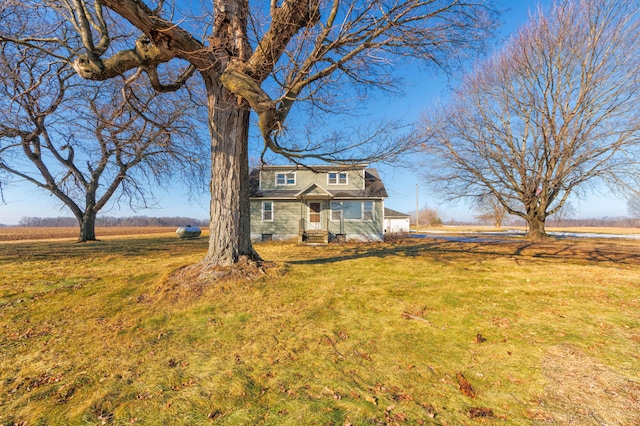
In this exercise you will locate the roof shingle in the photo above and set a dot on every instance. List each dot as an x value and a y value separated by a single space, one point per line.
373 188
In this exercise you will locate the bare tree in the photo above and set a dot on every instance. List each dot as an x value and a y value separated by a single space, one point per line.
563 216
491 210
552 114
254 56
428 217
88 145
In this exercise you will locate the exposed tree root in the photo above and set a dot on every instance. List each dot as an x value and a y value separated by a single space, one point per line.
244 269
193 281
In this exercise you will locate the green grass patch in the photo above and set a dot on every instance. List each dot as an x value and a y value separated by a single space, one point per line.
344 334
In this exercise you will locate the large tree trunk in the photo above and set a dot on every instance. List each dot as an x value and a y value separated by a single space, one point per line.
87 226
535 227
230 227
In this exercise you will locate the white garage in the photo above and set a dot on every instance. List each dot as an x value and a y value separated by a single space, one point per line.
395 221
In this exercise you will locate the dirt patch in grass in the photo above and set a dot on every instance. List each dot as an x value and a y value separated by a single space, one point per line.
581 391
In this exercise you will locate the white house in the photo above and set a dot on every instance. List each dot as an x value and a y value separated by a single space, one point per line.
395 221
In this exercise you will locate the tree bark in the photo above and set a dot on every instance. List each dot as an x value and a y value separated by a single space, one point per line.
88 226
230 226
535 226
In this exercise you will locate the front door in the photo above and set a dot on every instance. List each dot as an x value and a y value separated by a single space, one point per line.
314 216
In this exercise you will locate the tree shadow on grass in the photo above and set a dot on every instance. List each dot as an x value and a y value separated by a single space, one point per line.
451 249
441 249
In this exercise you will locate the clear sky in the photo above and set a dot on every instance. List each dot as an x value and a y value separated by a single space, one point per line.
421 89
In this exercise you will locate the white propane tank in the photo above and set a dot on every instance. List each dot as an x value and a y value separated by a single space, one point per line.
188 232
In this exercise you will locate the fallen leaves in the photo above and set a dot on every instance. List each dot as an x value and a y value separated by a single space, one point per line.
465 386
28 384
371 399
328 391
65 394
361 354
392 418
476 412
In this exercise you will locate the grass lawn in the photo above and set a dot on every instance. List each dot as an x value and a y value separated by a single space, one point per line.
543 333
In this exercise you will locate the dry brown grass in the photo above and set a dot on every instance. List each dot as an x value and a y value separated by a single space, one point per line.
577 229
580 249
357 334
580 391
596 230
50 233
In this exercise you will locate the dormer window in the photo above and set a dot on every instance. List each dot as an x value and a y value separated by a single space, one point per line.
286 178
337 178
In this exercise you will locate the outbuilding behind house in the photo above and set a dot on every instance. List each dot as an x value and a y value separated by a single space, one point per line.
395 221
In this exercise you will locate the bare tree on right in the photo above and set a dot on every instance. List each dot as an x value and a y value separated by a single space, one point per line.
554 113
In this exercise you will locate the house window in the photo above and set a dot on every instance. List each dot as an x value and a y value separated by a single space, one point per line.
286 178
335 178
367 210
351 210
267 211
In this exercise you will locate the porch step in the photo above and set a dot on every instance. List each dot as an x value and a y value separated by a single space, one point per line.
315 237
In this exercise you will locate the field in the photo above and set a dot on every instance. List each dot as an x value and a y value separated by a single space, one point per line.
44 233
412 332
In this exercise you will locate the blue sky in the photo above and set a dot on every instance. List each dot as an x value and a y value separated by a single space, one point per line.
23 199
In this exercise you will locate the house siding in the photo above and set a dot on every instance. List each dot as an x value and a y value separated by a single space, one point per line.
286 216
362 230
306 177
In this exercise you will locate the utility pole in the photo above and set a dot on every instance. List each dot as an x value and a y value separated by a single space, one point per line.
417 213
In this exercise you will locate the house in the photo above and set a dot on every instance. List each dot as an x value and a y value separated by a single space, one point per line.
317 204
395 221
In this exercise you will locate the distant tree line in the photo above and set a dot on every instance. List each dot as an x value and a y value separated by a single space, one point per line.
109 221
595 222
611 222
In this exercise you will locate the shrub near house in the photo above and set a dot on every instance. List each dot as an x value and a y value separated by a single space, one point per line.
317 204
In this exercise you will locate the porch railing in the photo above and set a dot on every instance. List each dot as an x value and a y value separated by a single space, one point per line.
336 228
332 227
